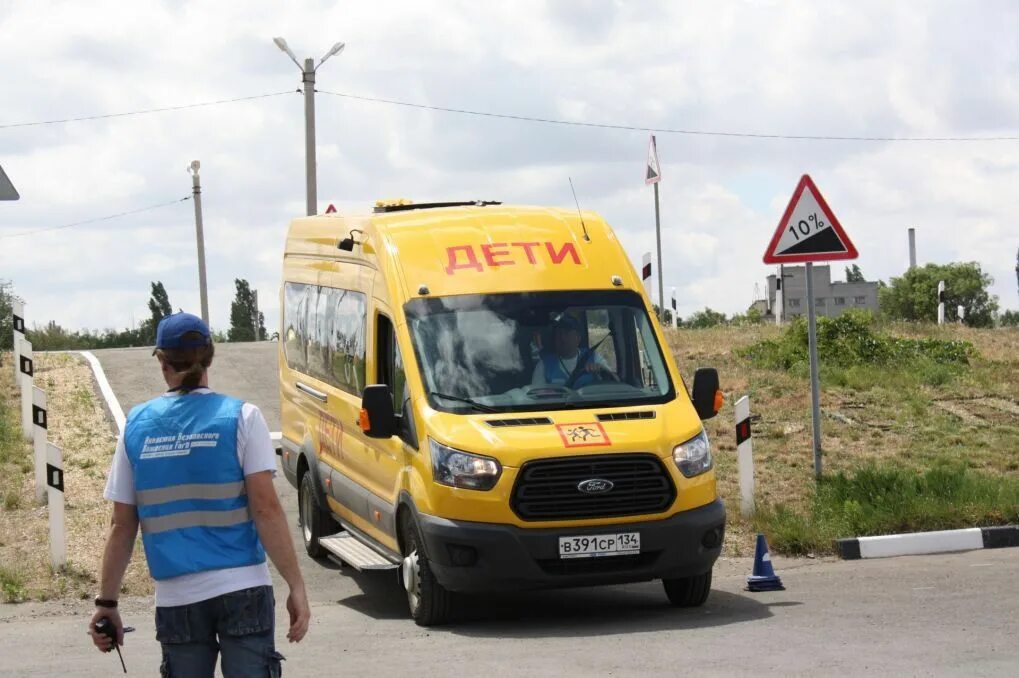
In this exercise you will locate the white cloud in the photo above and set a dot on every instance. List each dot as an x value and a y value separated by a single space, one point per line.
872 69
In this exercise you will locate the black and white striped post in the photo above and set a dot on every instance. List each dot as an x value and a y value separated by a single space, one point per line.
55 481
27 368
745 456
18 327
39 424
941 302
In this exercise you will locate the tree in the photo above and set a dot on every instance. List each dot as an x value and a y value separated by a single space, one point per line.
7 299
914 296
159 307
1009 319
705 318
854 274
667 319
242 315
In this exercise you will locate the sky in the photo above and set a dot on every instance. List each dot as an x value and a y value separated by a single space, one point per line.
870 69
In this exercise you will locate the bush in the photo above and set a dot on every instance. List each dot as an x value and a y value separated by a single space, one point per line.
1009 319
704 319
850 340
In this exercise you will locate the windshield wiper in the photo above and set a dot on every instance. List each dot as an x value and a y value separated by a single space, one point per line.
473 403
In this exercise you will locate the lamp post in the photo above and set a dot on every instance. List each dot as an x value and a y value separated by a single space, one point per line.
196 190
308 78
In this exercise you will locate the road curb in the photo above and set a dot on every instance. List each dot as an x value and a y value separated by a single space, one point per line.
922 543
113 407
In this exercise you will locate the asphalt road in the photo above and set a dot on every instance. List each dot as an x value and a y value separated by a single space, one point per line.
954 614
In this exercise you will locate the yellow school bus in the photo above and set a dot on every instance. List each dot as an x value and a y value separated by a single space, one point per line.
479 396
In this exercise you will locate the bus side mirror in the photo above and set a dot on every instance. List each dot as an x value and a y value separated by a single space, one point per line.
707 398
377 418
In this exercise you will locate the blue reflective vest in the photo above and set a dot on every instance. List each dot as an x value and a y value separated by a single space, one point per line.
555 373
189 485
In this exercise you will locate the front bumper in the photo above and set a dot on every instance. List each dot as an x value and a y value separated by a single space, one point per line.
477 557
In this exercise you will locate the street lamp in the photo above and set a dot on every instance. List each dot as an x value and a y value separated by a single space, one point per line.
308 78
196 190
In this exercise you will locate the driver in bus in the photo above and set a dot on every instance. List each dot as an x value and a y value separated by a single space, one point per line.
559 367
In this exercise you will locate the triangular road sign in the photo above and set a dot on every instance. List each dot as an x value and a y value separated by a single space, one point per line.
331 209
808 230
653 174
7 190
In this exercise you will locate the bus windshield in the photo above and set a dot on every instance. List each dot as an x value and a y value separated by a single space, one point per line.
532 351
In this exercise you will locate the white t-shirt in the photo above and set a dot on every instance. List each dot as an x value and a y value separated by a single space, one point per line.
568 365
255 452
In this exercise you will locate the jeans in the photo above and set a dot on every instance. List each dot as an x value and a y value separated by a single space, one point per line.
240 625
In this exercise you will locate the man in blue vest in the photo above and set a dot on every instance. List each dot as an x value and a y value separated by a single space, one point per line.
194 469
568 364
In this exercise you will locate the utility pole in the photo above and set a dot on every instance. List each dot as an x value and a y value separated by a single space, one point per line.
912 248
310 165
308 79
196 191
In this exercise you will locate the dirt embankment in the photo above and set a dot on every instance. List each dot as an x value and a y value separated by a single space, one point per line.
78 425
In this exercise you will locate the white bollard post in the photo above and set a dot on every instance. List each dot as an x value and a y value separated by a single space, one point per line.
18 325
961 310
941 302
55 480
27 383
779 308
39 425
745 457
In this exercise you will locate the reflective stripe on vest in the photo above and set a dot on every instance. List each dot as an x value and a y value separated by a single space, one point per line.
189 485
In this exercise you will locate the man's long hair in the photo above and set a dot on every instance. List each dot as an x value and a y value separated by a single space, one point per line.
192 362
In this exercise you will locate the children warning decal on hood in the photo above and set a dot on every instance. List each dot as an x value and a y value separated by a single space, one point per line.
584 434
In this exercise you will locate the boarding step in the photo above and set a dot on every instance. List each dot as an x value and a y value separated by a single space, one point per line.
356 553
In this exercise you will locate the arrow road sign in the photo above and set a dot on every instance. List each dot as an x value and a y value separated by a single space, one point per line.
808 231
7 190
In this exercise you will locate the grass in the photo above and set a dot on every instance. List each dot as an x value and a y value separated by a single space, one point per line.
12 585
887 499
899 413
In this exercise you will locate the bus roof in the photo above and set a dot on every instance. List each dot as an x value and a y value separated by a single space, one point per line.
471 249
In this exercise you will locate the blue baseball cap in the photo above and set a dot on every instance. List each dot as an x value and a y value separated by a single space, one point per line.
567 322
172 330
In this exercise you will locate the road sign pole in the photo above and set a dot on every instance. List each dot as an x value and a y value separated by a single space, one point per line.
815 385
658 236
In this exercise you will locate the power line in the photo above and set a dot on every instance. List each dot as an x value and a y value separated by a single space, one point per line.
657 130
93 221
144 111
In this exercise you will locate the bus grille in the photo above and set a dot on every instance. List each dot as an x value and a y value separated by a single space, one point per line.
547 489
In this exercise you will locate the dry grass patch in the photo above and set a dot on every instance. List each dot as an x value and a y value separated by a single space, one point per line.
78 425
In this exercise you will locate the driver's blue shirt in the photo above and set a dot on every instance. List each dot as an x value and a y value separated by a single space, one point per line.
552 369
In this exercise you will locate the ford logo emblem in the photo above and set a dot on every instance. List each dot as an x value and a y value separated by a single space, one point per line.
595 486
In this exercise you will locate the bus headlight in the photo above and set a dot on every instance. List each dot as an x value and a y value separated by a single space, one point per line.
694 456
462 469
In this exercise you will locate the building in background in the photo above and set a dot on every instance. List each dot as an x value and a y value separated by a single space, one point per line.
831 298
